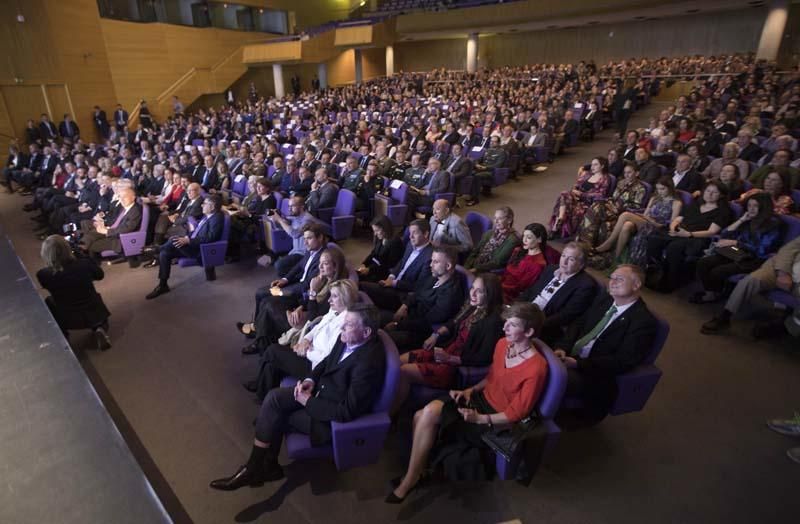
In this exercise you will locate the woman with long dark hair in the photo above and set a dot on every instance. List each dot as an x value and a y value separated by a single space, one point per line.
526 263
387 250
744 246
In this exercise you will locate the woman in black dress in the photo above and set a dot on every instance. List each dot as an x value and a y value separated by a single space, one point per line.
387 250
73 300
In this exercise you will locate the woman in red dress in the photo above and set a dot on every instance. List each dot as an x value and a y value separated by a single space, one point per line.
526 262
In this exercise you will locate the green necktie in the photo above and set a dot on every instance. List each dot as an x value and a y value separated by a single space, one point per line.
585 339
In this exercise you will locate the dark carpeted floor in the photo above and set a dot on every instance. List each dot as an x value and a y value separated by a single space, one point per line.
699 452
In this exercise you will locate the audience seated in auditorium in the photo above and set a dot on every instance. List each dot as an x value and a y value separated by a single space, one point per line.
496 245
404 277
776 273
601 215
246 220
742 248
449 229
632 229
615 334
106 238
483 177
509 393
688 236
387 250
592 183
209 229
436 297
282 294
294 225
341 388
777 186
468 339
526 262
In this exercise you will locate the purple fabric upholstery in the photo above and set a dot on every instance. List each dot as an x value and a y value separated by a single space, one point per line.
132 243
396 206
239 189
212 254
547 407
478 225
342 217
791 226
685 197
782 297
475 155
358 442
500 176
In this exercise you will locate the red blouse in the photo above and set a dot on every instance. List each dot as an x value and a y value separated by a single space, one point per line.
521 274
514 391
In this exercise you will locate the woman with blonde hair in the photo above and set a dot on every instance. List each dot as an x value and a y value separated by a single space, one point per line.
73 300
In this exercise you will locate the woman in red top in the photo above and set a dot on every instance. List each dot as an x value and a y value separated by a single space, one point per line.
509 392
526 262
176 192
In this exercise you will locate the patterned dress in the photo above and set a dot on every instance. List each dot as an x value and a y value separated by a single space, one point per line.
661 212
576 206
600 218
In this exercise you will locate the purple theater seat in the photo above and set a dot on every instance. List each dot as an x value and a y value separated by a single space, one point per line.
547 408
396 204
449 195
685 197
478 225
342 217
500 176
212 254
360 441
475 155
132 243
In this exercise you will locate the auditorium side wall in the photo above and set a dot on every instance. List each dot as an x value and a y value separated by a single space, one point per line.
725 32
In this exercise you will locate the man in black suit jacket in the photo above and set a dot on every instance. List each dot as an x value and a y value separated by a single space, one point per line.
207 176
323 192
106 238
286 293
614 336
563 292
341 388
171 224
208 230
68 129
685 178
458 165
435 300
120 118
101 122
47 129
403 277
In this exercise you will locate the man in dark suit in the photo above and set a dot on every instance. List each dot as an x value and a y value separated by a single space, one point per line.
434 180
101 122
458 165
686 178
120 118
403 277
286 293
612 337
47 129
209 229
69 130
563 292
106 238
341 388
174 224
649 171
323 192
435 300
207 176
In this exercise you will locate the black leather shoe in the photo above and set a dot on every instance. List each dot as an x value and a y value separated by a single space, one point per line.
157 292
250 349
244 476
151 263
102 340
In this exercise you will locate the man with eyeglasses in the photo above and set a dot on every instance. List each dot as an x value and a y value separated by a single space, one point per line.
614 335
563 292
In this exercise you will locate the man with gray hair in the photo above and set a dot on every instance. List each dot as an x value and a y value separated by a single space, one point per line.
106 238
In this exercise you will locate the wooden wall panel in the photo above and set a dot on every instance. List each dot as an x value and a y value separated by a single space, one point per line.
26 49
58 100
22 103
373 62
7 132
424 56
341 69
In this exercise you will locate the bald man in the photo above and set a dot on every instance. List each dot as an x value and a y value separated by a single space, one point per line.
448 229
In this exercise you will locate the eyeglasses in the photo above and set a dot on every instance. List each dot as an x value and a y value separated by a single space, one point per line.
554 286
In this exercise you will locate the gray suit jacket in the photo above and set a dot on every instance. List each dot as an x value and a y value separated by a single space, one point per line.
323 197
455 233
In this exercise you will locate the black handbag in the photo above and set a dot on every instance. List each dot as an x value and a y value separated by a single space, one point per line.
732 253
507 441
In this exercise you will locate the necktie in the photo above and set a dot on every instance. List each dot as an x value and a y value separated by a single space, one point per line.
199 227
118 221
588 337
452 165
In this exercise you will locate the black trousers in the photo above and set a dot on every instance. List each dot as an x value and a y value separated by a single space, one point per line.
271 320
168 252
280 414
677 254
596 392
386 298
714 270
276 363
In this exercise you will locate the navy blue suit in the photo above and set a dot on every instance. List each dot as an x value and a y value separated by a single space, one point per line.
208 230
391 298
